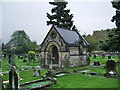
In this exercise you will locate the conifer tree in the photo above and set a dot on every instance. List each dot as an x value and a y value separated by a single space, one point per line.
60 15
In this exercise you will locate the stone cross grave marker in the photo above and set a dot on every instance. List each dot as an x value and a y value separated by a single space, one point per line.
13 78
110 67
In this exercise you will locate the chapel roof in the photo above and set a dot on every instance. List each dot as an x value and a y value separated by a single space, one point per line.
71 37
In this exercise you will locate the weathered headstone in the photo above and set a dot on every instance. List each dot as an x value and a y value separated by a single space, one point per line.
88 61
36 72
96 63
13 79
103 56
110 67
1 83
94 56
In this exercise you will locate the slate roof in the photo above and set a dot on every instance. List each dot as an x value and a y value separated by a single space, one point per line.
71 37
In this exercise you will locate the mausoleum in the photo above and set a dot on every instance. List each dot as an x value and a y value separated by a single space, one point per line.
64 48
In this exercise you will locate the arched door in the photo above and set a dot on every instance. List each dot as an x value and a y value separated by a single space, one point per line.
55 55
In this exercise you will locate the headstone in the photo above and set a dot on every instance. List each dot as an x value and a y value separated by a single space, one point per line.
36 72
21 57
1 83
96 63
9 58
18 57
55 80
94 56
103 56
118 63
50 73
110 67
24 60
13 79
88 61
93 73
109 57
4 56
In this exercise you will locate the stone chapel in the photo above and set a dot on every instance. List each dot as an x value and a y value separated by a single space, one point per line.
64 48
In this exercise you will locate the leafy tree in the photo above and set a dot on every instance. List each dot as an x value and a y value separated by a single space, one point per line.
31 56
113 41
60 16
7 49
33 46
20 42
116 18
92 41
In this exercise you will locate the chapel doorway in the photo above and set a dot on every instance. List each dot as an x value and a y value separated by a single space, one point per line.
55 55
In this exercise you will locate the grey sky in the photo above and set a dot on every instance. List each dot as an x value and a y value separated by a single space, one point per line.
31 17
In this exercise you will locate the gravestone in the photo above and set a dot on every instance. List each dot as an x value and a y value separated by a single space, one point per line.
109 57
96 63
50 73
88 61
118 63
111 67
94 56
36 72
13 78
1 83
9 58
103 56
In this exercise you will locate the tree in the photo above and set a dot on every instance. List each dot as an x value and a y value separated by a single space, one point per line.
33 46
20 42
74 28
92 41
116 18
31 56
113 41
60 16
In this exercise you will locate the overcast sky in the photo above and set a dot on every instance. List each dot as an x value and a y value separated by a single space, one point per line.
31 17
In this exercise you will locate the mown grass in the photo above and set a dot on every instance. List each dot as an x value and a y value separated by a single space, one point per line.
75 80
25 75
102 61
82 81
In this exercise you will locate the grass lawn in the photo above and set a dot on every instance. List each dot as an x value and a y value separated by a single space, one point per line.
102 61
25 75
74 80
82 81
78 80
